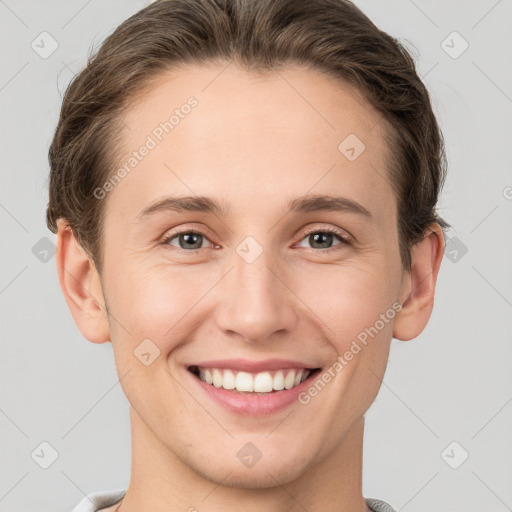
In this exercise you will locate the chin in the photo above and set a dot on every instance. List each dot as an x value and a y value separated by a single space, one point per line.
264 474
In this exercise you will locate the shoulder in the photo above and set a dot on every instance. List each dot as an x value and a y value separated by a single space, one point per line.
376 505
99 500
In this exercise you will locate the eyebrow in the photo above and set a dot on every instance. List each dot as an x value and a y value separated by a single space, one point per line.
186 204
203 204
323 203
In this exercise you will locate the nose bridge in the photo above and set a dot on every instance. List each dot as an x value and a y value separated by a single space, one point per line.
255 302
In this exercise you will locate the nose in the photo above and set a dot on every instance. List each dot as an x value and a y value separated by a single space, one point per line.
255 300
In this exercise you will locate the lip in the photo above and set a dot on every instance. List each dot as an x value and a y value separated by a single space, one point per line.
246 365
252 403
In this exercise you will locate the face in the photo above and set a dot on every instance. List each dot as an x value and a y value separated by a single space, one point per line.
277 269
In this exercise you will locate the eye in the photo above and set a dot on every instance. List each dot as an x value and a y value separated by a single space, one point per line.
324 238
192 241
188 240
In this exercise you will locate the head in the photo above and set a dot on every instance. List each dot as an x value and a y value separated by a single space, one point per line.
255 115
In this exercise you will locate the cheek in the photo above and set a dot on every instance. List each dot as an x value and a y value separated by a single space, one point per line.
345 292
157 302
347 298
149 306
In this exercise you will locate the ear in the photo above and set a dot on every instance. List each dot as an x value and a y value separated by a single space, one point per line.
81 286
419 285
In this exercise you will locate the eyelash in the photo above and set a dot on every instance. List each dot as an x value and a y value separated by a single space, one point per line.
344 239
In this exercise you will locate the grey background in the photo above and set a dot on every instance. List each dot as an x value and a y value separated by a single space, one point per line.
453 383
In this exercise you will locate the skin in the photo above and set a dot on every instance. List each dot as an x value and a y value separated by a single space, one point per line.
255 142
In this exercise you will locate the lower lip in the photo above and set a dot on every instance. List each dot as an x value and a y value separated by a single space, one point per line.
254 404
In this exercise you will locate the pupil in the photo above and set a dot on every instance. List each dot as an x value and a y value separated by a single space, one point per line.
317 238
190 237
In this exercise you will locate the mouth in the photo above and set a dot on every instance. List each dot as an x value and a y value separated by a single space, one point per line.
254 383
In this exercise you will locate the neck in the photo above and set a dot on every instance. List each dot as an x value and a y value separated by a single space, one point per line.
161 481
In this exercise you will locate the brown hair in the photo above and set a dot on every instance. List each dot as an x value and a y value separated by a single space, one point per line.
332 36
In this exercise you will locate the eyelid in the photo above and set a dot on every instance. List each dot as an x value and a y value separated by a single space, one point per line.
344 235
171 233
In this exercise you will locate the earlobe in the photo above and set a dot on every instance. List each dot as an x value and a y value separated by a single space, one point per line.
81 286
419 285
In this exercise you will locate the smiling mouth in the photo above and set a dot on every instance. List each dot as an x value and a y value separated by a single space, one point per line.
260 383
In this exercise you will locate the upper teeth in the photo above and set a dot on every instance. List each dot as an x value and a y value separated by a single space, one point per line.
262 382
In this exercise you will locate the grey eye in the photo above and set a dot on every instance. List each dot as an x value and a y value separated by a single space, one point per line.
188 240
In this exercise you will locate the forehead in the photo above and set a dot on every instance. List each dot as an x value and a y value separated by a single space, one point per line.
244 137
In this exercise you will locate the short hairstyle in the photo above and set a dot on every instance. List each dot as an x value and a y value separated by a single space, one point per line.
332 36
